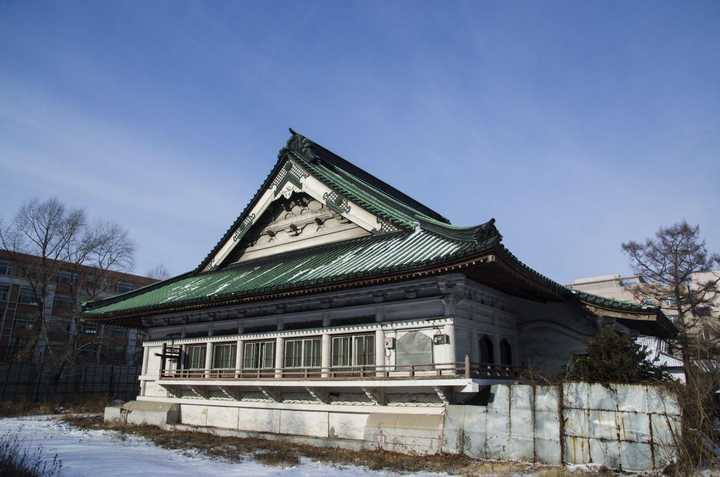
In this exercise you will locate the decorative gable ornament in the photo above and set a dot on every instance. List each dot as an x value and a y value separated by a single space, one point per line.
292 180
289 180
297 144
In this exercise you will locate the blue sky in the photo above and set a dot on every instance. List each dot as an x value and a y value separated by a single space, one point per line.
577 125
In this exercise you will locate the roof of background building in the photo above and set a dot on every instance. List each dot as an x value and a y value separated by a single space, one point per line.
24 258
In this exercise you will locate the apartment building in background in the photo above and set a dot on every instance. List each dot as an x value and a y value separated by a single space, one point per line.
99 343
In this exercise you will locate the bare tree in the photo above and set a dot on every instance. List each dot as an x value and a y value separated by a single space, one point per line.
61 240
158 272
676 272
668 266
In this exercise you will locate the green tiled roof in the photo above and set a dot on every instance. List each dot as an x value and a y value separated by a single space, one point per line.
367 256
423 240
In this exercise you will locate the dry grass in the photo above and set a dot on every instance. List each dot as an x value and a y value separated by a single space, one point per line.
19 460
92 405
275 452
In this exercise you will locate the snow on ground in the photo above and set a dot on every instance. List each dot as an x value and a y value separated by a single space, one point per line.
105 453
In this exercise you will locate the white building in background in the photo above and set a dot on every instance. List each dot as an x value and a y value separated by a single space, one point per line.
618 287
335 303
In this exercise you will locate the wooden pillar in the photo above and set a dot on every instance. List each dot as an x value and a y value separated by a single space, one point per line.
208 358
146 357
278 357
325 355
238 357
450 347
380 352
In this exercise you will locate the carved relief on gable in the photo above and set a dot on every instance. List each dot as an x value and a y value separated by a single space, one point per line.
297 222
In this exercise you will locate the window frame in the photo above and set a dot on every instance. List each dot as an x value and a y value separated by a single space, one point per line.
23 321
4 293
305 357
127 286
256 354
29 290
349 345
189 354
63 300
231 355
67 276
6 268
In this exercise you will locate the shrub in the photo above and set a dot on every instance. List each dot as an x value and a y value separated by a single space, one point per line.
614 357
16 460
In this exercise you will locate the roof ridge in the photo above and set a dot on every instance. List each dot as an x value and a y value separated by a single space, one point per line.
376 203
352 169
345 175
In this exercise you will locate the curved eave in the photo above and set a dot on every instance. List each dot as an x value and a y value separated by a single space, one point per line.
549 288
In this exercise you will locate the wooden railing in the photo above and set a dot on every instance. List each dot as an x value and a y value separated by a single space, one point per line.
411 371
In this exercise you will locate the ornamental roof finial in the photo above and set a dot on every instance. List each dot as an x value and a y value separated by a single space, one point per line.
298 144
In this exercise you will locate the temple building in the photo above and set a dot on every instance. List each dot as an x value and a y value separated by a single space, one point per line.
335 299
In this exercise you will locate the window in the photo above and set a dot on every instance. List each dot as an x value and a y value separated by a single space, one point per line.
224 355
506 358
27 296
353 350
65 276
63 300
302 353
487 352
24 322
259 355
124 287
195 356
5 268
4 293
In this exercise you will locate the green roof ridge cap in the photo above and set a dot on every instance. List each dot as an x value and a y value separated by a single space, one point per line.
342 163
361 197
413 211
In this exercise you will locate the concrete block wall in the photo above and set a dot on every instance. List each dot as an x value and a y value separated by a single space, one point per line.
627 427
630 427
